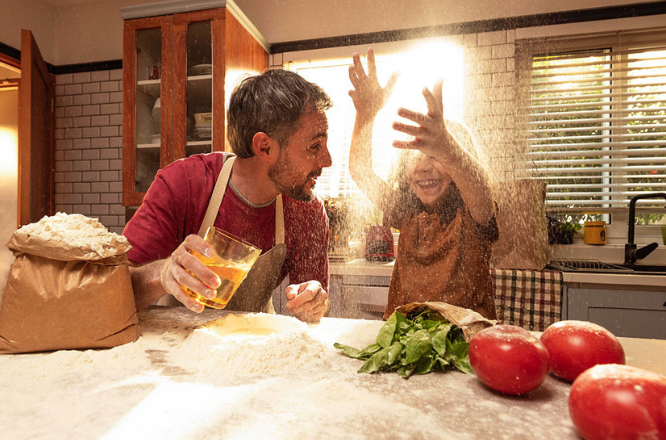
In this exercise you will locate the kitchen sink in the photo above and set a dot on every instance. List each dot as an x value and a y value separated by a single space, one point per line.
594 266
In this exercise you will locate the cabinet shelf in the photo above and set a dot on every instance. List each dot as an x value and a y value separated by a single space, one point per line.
149 147
150 87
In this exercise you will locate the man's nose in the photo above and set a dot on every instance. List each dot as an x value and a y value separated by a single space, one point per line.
325 159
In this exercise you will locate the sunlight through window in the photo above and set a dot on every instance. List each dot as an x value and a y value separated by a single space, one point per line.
420 67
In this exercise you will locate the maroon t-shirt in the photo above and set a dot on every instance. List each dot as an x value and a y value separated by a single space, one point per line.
176 202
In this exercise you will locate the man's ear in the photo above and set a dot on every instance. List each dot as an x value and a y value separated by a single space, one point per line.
264 146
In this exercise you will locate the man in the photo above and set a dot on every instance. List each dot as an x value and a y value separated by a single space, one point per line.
277 129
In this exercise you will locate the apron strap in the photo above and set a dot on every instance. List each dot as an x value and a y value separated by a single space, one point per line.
218 193
216 201
279 220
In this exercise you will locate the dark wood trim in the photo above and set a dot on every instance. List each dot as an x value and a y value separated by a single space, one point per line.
10 55
525 21
88 67
470 27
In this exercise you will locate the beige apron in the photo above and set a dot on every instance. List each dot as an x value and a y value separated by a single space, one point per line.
255 292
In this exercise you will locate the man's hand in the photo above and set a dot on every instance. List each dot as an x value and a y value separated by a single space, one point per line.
307 301
184 270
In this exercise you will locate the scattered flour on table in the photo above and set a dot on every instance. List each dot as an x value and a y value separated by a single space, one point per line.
290 348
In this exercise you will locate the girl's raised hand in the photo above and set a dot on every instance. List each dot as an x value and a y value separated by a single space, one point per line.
368 95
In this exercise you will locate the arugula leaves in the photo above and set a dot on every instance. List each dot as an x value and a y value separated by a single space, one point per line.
414 344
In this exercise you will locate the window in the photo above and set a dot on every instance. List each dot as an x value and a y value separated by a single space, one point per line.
594 114
419 67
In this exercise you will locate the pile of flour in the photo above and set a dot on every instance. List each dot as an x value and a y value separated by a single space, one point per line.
205 351
74 231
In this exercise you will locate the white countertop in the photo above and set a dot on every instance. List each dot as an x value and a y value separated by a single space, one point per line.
149 389
362 267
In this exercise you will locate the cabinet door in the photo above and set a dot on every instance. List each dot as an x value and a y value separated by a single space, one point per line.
630 313
198 98
147 76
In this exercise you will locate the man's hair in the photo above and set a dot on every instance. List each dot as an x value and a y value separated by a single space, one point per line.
271 103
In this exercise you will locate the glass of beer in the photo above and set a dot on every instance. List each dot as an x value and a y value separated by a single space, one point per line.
232 260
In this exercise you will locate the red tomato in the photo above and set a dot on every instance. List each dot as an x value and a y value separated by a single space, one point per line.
613 402
575 346
508 359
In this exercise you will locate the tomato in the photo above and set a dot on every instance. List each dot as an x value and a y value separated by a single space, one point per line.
613 401
508 359
575 346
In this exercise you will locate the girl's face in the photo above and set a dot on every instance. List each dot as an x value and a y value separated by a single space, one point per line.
427 177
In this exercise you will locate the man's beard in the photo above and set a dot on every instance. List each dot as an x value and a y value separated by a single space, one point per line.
283 172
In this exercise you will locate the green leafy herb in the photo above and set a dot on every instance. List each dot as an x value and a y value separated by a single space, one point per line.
414 344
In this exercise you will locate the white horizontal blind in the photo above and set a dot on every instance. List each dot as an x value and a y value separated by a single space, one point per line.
595 117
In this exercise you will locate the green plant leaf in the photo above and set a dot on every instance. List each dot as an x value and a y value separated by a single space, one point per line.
417 345
351 351
376 362
439 338
406 371
386 333
425 364
371 349
394 352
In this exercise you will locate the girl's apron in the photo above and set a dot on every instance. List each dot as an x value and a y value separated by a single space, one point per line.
255 292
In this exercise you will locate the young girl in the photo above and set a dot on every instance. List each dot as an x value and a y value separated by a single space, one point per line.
442 205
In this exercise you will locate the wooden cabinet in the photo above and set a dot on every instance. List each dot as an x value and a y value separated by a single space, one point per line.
178 70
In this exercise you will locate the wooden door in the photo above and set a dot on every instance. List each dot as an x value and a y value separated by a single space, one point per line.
36 156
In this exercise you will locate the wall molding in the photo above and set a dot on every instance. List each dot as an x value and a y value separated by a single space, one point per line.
470 27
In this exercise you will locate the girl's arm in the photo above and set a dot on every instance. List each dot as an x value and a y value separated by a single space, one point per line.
369 97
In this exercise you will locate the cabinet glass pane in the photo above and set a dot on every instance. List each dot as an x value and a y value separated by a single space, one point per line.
148 65
199 91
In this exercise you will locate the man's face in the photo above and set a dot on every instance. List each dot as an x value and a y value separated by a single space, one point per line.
301 161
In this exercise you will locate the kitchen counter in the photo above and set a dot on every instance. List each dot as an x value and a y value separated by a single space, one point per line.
158 387
362 267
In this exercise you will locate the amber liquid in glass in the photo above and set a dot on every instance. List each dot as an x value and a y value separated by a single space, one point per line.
231 274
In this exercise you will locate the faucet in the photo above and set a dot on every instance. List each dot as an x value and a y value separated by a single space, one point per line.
631 253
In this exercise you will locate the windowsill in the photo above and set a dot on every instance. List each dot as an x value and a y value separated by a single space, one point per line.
608 253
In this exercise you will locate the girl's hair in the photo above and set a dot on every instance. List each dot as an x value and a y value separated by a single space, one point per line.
271 103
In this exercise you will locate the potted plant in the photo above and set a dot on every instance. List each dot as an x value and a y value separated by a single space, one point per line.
561 232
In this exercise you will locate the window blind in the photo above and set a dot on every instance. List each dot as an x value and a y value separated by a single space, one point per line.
594 114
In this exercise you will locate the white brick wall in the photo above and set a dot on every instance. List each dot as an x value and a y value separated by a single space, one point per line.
89 146
490 101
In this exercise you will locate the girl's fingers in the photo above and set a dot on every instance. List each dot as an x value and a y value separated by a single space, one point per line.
352 76
407 129
391 83
358 67
413 116
434 107
437 91
372 67
406 145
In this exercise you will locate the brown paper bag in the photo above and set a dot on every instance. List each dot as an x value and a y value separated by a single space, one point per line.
469 321
523 228
67 295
